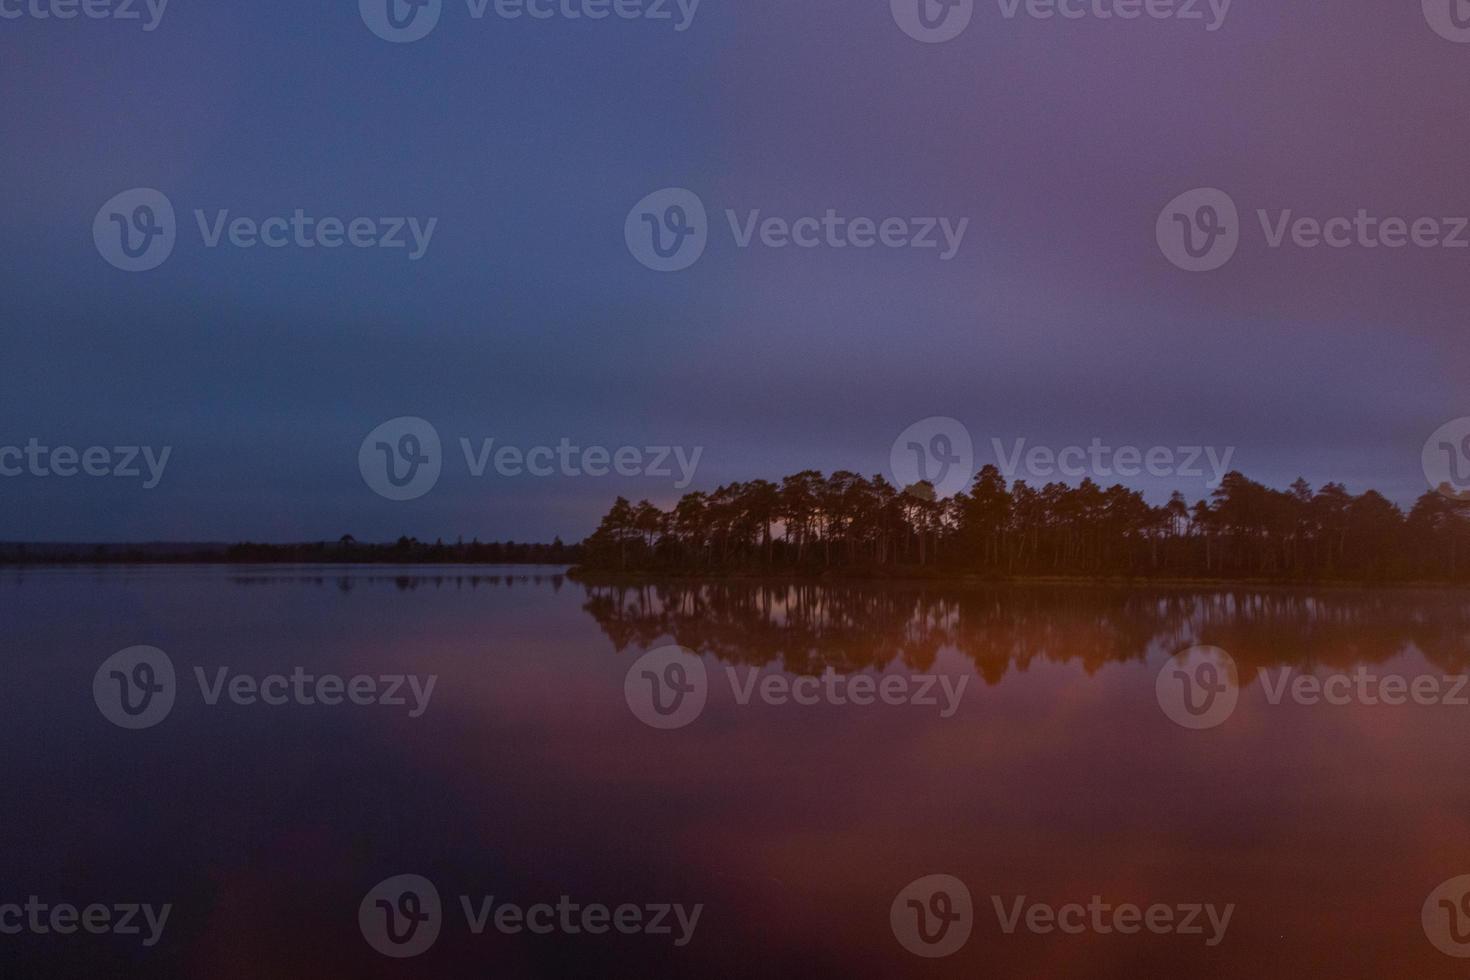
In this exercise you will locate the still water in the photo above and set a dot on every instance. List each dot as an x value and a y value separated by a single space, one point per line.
1017 741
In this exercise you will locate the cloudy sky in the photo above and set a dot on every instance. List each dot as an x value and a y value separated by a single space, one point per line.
529 320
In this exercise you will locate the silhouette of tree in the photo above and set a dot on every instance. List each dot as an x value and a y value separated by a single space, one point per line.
810 523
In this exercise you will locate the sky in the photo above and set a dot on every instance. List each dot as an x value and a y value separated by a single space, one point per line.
532 316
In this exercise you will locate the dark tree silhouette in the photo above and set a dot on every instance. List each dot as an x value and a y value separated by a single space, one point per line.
811 523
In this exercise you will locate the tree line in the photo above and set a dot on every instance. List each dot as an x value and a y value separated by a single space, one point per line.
409 551
811 523
345 550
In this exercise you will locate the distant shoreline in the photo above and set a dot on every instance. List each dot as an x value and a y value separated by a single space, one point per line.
222 563
834 577
344 551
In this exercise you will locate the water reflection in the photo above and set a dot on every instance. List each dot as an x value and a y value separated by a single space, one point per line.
348 581
796 827
810 628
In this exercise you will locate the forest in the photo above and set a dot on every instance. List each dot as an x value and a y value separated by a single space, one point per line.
844 523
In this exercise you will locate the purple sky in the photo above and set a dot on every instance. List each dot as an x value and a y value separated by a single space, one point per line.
528 320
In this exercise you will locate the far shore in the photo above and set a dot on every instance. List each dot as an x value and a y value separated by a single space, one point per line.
345 550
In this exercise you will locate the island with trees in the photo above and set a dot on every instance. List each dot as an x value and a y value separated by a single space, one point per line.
844 524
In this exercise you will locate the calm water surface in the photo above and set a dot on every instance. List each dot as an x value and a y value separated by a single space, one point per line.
527 777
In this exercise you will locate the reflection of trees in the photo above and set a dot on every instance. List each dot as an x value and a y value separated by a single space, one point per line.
807 628
403 583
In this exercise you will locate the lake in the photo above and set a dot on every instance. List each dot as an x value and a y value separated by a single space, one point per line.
379 771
